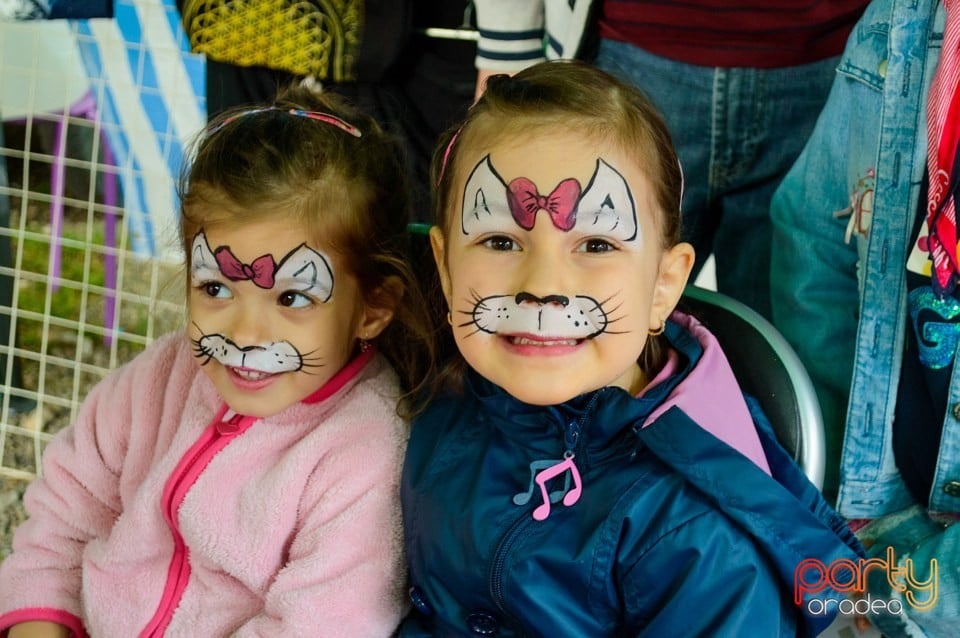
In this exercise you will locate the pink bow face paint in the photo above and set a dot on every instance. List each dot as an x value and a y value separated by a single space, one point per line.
605 206
264 320
259 271
551 272
561 204
303 268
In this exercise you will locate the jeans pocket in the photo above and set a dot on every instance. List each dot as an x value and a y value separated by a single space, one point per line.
866 53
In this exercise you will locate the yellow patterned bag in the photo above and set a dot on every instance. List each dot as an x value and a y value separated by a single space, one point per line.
321 38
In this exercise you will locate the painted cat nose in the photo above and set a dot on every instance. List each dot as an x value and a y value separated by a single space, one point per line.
529 298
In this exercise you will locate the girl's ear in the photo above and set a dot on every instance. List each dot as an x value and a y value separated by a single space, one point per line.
379 311
439 256
675 266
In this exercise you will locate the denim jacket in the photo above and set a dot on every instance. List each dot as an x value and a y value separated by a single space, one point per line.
843 219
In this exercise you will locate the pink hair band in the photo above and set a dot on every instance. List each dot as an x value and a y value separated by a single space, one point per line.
329 119
313 115
446 154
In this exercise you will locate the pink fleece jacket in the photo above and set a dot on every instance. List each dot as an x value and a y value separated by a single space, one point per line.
160 512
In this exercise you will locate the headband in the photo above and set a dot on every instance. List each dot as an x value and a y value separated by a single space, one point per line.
446 154
313 115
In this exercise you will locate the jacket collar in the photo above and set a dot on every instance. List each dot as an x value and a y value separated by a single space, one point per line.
601 416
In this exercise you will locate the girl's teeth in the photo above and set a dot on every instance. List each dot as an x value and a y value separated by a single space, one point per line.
251 375
523 341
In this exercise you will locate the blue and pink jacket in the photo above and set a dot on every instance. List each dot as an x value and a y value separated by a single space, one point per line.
691 520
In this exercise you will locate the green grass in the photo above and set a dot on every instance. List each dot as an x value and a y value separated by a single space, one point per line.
67 300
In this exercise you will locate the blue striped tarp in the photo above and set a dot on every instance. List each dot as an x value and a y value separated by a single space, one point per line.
150 93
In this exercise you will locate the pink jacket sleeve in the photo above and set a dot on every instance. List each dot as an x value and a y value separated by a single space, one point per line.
77 498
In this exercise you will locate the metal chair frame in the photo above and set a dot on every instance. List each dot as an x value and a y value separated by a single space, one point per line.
767 368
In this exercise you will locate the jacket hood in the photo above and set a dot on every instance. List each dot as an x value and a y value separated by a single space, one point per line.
710 393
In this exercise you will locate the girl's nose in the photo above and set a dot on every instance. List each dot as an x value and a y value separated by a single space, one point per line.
250 326
542 277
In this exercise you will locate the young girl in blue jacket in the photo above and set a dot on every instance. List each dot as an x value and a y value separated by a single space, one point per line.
589 466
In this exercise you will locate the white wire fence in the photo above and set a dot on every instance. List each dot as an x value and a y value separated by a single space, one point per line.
89 269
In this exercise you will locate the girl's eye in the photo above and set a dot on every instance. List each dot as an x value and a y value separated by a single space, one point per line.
216 290
294 299
595 245
500 243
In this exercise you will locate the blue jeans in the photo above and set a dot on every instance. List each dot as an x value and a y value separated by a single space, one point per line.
737 132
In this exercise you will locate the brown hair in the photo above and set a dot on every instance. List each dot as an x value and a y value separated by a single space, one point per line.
348 191
564 95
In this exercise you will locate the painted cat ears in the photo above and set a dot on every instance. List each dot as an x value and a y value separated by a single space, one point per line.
604 207
303 264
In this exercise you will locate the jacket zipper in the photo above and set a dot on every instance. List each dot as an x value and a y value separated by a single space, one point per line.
225 426
572 445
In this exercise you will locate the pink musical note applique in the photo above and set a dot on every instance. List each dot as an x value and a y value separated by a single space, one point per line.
543 510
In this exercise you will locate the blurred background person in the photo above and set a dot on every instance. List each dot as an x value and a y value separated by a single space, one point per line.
865 288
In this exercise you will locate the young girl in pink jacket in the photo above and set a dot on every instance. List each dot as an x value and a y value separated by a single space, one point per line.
241 478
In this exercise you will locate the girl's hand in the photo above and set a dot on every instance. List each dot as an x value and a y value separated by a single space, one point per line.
38 629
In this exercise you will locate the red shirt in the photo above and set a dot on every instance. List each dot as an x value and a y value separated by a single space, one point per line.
758 33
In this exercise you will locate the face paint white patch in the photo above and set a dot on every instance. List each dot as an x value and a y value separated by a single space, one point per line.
203 265
607 207
485 206
275 357
308 271
582 317
302 269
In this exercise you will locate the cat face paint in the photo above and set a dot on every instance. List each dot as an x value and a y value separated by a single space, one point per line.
306 269
268 331
303 270
549 281
605 208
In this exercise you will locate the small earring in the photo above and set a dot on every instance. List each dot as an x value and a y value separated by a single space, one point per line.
658 331
365 345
